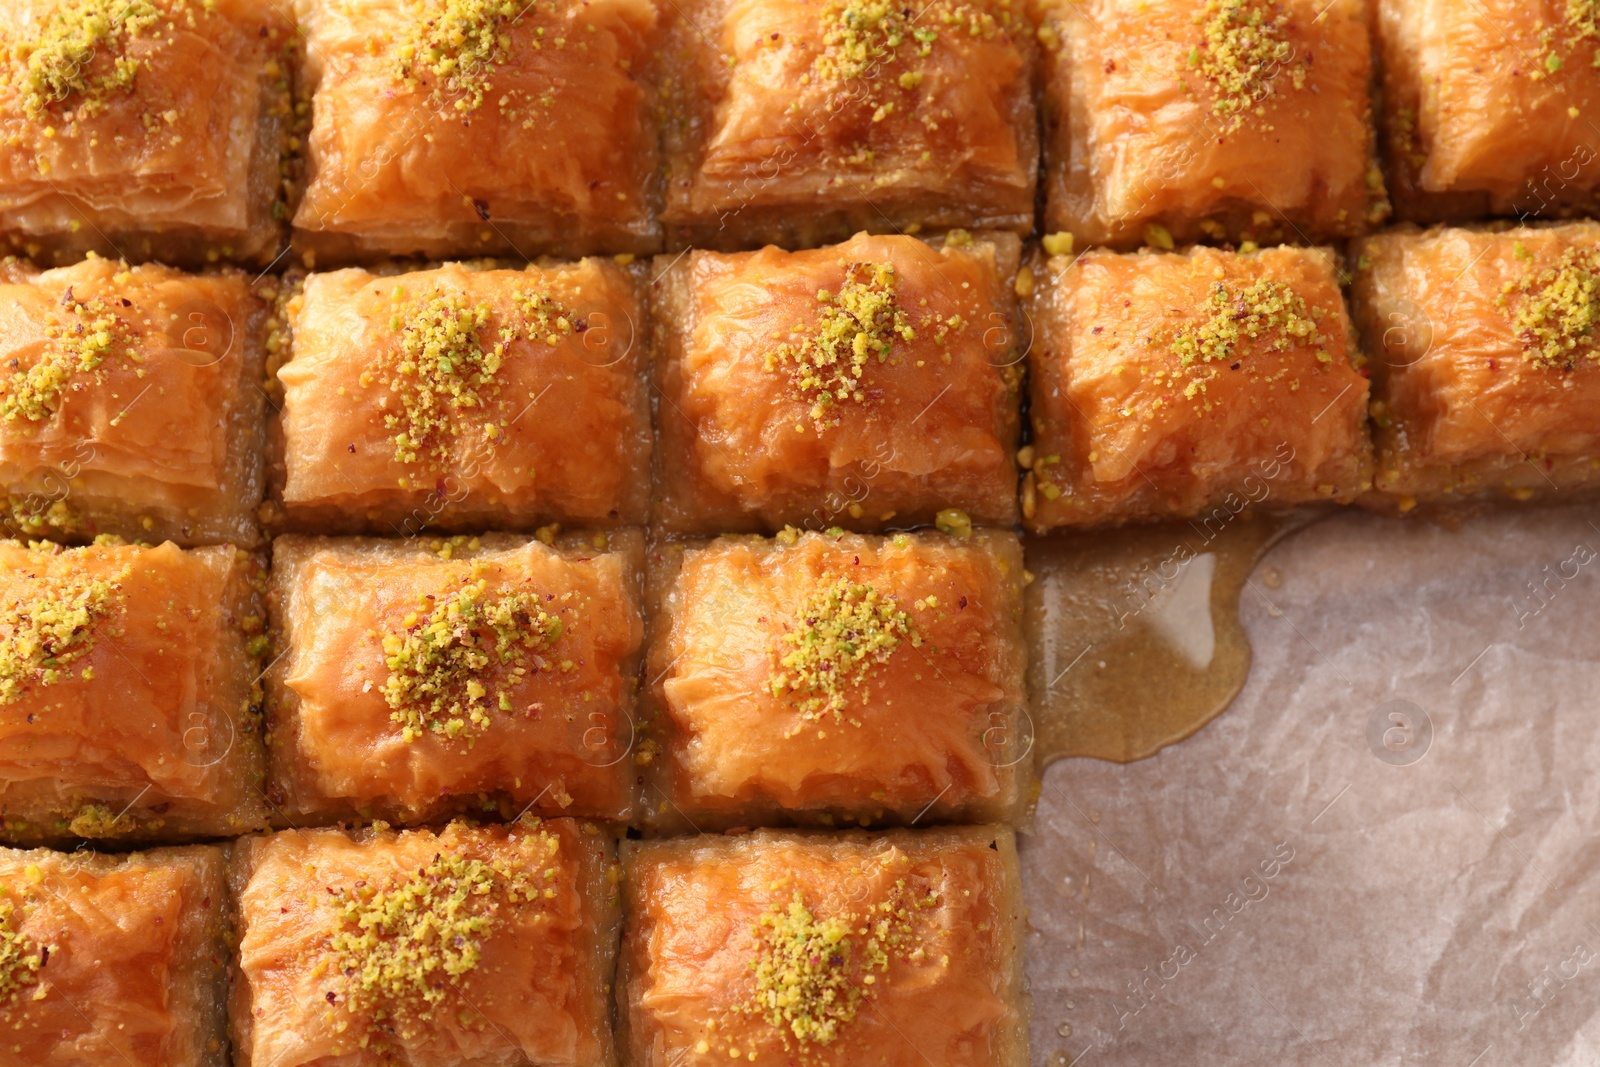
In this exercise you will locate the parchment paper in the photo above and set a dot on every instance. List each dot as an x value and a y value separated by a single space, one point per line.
1290 887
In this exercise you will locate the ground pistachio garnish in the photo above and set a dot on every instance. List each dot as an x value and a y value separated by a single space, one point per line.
438 656
442 369
81 336
51 626
844 628
860 323
59 61
860 37
459 43
1242 52
1264 308
1557 310
20 956
404 945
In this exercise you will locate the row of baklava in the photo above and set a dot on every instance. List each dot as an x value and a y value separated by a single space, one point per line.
190 131
471 946
870 385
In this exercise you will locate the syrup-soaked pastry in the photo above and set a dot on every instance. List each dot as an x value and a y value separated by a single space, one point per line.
870 384
1185 120
478 127
1489 107
827 678
799 122
145 129
130 403
899 949
429 676
462 947
129 695
1193 384
1485 360
114 959
461 398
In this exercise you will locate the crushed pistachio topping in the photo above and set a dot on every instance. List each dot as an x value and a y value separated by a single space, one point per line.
807 974
60 61
403 946
442 369
1243 49
1558 309
844 628
1263 308
858 38
436 659
860 323
1579 22
51 626
459 43
82 336
20 956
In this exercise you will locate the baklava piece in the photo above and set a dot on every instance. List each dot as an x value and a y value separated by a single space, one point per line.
827 678
479 127
465 947
130 403
869 384
1225 120
462 398
145 129
901 949
129 695
1485 360
799 122
114 959
1489 107
469 675
1172 385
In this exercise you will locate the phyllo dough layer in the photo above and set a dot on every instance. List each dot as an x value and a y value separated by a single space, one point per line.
130 403
816 678
146 129
114 959
1486 360
465 947
460 398
868 384
1186 120
1203 382
900 949
479 127
129 708
799 122
425 677
1489 107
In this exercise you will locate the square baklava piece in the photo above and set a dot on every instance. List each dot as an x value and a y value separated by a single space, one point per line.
900 949
1226 120
1485 351
461 398
459 947
130 403
1169 385
827 678
478 127
474 675
145 129
799 122
870 384
114 959
129 696
1488 107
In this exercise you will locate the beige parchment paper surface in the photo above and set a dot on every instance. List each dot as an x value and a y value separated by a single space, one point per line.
1292 885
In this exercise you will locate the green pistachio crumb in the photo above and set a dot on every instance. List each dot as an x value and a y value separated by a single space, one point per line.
460 43
75 54
1264 307
1242 52
1557 310
49 628
81 336
843 629
20 956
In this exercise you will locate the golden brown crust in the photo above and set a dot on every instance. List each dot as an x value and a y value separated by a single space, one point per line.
769 139
743 446
557 158
1134 420
952 992
563 748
